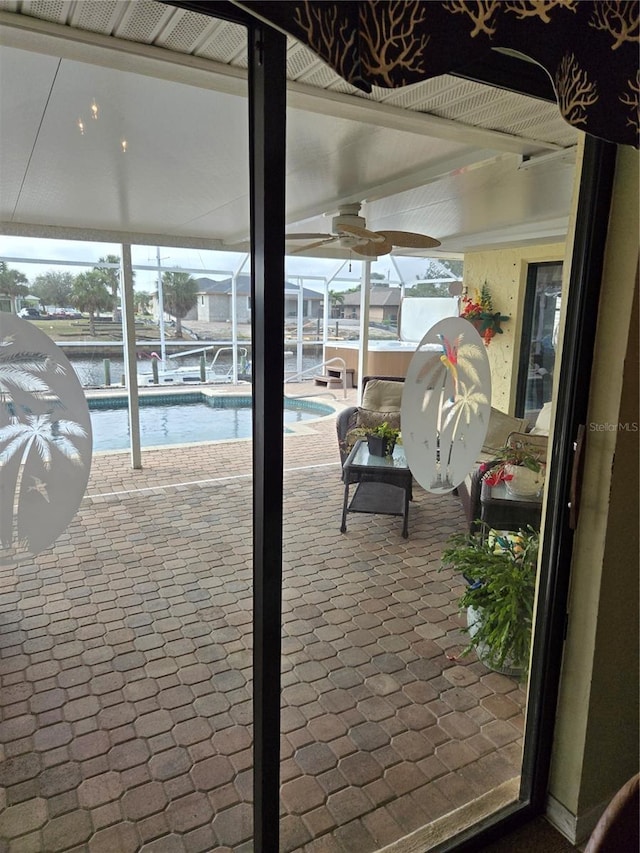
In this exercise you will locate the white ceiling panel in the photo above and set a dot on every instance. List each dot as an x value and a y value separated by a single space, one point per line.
21 111
186 153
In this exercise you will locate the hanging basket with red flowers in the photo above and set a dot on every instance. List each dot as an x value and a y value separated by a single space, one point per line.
479 312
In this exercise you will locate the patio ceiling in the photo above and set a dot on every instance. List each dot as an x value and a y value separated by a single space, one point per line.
472 165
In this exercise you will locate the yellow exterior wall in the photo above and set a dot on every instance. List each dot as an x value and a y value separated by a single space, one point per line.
505 271
596 740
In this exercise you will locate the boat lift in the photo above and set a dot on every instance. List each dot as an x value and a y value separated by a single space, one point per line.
203 372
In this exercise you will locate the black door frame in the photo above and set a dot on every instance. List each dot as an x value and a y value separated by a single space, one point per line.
267 111
587 262
267 114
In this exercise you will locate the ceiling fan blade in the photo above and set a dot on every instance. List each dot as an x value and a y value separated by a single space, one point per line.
410 239
303 236
327 239
364 233
373 250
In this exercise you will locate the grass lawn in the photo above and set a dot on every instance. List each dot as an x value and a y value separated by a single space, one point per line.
79 330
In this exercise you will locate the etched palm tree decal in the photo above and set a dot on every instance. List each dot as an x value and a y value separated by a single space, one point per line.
467 405
23 370
40 433
448 393
45 438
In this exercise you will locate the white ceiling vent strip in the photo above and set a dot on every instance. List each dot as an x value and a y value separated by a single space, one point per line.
47 10
99 16
456 100
420 95
300 60
340 85
228 42
183 31
143 20
555 130
241 61
322 77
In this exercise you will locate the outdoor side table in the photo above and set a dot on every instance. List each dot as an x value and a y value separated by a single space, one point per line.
501 510
384 484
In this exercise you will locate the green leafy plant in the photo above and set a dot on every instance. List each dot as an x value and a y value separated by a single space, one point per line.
505 457
500 572
383 430
382 439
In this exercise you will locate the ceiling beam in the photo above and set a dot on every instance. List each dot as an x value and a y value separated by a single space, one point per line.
401 183
98 235
367 111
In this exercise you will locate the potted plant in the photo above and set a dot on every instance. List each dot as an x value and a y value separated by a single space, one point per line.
382 439
479 311
500 573
520 469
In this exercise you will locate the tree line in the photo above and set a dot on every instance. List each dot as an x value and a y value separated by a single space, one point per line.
97 291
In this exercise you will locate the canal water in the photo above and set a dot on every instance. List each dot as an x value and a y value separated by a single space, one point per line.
91 371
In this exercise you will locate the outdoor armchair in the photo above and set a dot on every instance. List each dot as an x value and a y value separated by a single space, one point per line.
381 400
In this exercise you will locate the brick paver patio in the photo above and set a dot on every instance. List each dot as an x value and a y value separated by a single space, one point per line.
125 665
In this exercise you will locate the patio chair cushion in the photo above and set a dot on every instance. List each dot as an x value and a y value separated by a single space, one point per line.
537 445
500 428
382 395
542 425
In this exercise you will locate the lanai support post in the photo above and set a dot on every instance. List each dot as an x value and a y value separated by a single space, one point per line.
130 361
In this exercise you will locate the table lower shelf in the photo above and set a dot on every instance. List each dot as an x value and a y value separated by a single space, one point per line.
380 498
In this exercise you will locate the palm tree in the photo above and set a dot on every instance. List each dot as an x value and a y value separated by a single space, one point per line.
180 294
91 294
110 277
336 298
142 299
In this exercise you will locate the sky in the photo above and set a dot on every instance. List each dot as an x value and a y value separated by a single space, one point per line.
198 262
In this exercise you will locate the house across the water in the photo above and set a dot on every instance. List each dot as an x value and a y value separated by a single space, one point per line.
214 300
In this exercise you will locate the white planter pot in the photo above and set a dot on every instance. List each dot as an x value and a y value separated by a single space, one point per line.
524 482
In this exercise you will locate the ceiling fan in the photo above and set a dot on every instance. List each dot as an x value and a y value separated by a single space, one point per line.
349 231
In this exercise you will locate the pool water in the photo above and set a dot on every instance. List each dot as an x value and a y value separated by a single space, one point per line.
185 419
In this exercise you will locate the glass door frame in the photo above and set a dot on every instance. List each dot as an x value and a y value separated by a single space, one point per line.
526 338
267 111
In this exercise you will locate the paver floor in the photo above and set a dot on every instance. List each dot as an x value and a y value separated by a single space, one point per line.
125 666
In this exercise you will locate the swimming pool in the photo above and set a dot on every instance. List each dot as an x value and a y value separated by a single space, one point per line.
185 418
